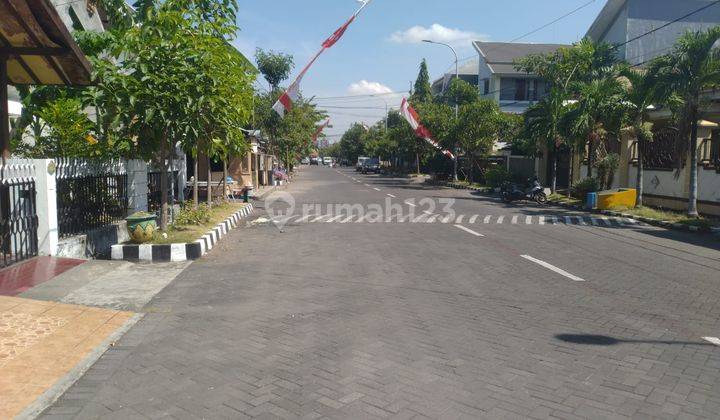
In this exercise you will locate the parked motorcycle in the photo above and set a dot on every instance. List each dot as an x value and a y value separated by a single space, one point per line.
510 192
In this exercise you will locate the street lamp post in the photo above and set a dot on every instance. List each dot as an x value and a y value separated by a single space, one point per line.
457 76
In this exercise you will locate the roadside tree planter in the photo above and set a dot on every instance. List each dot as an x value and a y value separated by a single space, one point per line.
180 251
141 226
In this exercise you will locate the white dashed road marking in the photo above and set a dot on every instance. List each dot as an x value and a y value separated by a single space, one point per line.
553 268
376 189
334 218
410 204
390 195
713 340
320 218
470 231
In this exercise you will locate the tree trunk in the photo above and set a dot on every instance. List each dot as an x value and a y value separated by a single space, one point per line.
163 185
571 172
417 162
196 190
640 174
224 183
591 153
209 183
692 196
553 186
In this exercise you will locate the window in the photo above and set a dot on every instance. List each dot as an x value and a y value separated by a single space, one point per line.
486 86
715 149
520 90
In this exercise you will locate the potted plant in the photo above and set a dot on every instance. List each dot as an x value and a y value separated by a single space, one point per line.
141 226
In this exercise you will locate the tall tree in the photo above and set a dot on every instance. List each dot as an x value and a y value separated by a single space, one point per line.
595 116
544 122
274 66
422 88
639 93
692 67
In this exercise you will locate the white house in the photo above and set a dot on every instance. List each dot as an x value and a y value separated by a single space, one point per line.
645 29
498 78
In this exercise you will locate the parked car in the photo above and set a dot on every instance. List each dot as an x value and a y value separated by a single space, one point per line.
327 160
371 165
315 161
359 164
305 161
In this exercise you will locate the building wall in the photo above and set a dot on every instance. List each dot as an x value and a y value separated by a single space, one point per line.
617 33
88 17
646 15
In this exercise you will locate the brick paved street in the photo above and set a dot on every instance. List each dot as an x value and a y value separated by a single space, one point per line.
402 320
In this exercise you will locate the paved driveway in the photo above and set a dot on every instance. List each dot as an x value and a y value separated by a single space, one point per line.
375 319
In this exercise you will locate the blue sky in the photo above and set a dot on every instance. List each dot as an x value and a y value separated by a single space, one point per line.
381 52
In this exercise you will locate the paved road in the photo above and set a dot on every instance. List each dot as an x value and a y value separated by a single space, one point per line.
441 318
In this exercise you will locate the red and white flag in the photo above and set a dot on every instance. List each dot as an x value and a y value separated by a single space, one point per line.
412 118
285 102
320 130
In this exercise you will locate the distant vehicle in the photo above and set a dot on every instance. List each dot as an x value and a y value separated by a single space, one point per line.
305 161
315 161
327 160
371 165
359 164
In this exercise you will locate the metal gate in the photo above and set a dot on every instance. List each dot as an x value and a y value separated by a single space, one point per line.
18 217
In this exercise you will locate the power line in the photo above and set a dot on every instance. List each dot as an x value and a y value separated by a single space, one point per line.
570 13
365 95
667 24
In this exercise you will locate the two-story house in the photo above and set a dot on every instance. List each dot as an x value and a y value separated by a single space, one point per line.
643 30
467 72
498 78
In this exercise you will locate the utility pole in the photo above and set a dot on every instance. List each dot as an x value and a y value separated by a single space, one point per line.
457 76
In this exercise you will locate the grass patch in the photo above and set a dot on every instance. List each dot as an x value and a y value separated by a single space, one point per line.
670 216
565 199
191 232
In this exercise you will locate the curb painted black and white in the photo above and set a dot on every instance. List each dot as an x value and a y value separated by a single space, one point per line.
181 251
654 222
661 223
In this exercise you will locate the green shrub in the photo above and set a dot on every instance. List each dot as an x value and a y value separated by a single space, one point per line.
495 177
584 186
606 169
189 215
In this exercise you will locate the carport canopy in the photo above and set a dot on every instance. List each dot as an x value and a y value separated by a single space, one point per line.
35 49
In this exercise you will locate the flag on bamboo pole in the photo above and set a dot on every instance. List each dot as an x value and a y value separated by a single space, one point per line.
285 102
320 130
412 118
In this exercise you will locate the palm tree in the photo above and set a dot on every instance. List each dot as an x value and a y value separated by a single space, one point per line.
639 94
544 122
692 67
599 101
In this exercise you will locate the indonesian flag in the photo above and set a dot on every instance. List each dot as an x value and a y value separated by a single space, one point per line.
412 118
285 102
320 130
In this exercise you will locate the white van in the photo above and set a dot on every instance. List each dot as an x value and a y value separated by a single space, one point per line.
327 160
360 161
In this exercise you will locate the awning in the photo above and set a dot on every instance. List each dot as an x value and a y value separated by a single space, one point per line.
38 46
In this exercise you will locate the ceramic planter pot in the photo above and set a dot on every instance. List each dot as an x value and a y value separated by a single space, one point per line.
141 227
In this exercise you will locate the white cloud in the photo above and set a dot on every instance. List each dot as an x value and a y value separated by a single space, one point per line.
437 33
364 87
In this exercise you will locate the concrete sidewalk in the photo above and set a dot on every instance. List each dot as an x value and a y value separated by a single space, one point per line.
119 285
